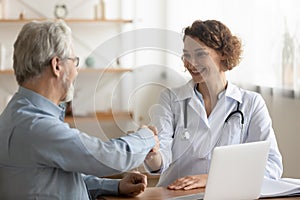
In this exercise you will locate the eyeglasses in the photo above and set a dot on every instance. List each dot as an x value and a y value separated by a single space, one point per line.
75 60
199 56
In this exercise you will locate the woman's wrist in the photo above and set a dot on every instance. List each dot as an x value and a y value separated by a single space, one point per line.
153 161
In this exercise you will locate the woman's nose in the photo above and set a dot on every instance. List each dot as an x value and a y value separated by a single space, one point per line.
192 60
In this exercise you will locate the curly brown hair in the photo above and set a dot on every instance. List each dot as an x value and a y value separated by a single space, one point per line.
217 36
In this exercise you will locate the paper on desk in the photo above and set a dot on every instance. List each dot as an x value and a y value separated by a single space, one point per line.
292 180
281 187
270 188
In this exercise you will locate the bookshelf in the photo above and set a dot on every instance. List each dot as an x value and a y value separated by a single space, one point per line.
82 70
68 20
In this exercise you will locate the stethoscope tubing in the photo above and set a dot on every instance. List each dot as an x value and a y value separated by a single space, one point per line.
186 134
234 112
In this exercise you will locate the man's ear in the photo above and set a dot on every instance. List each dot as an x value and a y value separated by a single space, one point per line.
55 66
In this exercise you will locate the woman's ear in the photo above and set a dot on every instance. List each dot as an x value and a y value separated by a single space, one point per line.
223 65
223 62
55 66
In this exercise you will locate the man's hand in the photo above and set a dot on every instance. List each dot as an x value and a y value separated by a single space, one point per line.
153 159
189 182
132 184
155 132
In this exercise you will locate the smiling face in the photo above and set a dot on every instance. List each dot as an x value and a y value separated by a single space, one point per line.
203 63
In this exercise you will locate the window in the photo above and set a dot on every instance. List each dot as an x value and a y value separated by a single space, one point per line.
269 29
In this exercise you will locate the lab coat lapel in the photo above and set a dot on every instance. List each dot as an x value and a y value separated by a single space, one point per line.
198 108
187 92
225 106
234 92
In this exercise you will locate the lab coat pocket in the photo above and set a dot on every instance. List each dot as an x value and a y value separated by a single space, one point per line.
232 132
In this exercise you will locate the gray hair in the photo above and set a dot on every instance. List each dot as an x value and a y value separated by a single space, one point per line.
37 44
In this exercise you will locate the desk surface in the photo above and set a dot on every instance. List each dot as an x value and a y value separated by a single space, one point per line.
159 193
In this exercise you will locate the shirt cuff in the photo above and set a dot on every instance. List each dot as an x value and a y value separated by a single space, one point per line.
101 186
152 171
143 135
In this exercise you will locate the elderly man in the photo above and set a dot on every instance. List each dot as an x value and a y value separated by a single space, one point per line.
41 157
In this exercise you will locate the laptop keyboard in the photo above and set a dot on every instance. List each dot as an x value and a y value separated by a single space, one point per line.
199 196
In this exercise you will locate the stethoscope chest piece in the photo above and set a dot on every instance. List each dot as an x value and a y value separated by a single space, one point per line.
186 135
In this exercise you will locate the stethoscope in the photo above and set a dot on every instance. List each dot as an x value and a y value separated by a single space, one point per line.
237 111
186 134
234 112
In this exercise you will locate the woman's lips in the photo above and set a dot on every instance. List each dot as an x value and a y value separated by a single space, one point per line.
198 71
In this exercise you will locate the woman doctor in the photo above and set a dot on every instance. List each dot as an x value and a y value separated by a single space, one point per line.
208 111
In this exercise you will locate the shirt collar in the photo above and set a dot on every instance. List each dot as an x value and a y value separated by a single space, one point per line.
233 92
43 103
187 91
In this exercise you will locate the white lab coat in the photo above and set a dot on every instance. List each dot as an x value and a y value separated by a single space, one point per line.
182 157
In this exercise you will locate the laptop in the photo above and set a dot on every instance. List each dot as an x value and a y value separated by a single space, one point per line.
236 172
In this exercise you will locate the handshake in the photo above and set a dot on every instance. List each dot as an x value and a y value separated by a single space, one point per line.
155 132
153 160
135 183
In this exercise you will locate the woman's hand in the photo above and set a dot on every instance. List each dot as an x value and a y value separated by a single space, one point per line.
189 182
155 132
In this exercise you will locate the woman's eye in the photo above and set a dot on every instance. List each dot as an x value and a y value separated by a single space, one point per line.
186 56
201 54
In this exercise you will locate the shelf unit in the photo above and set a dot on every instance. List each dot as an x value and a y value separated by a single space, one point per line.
83 70
68 20
7 71
105 70
102 116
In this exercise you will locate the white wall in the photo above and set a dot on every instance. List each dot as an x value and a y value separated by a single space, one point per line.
285 113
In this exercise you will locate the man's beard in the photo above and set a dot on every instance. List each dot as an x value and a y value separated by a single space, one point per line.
70 93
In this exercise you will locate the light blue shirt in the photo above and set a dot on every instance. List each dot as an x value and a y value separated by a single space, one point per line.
41 157
184 156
